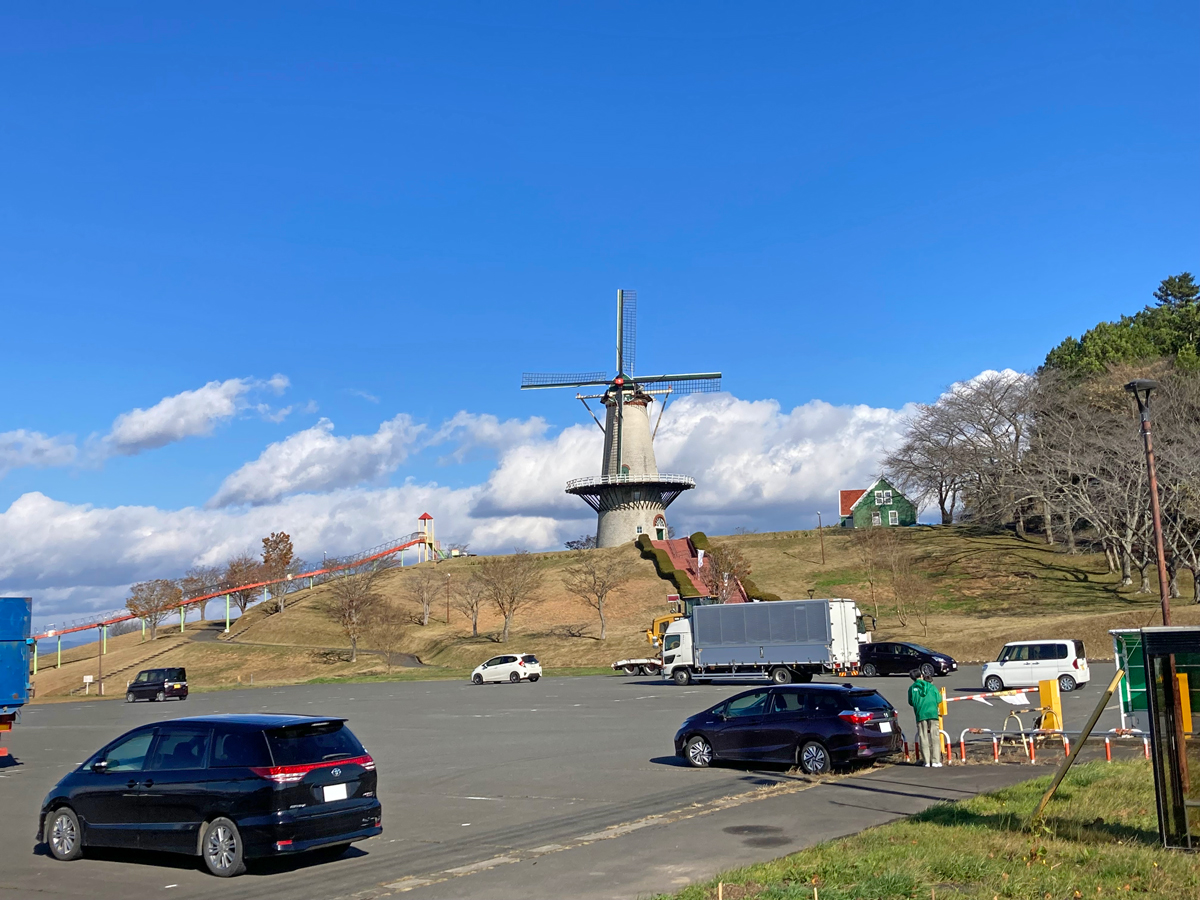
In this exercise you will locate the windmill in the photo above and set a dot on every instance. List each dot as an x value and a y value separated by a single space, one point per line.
630 496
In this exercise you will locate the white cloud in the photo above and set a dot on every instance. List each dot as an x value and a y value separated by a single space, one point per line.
754 464
471 430
187 414
317 460
21 449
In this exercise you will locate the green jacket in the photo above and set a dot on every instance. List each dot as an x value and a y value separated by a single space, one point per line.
924 698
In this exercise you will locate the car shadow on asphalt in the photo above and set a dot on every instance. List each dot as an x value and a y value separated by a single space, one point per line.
179 861
9 761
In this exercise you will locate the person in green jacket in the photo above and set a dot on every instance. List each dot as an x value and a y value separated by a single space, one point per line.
924 698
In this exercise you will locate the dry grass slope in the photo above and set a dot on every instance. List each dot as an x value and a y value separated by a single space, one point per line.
986 589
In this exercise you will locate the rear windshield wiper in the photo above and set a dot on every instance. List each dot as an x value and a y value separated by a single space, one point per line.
334 756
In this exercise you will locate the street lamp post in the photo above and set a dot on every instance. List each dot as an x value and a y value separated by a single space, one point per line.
821 535
1141 388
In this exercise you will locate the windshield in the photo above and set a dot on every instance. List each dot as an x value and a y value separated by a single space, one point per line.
319 742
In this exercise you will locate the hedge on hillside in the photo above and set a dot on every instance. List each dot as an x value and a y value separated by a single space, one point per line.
700 541
666 569
753 592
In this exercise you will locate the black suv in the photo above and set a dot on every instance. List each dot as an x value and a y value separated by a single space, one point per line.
225 788
815 727
901 657
158 684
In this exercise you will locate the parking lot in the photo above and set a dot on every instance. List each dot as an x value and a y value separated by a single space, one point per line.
562 788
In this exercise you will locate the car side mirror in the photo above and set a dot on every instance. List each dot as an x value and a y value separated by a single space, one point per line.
100 766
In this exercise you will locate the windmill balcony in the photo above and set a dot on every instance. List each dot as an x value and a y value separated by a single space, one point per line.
583 485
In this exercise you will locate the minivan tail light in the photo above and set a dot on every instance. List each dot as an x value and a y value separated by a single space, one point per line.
295 774
1075 662
855 717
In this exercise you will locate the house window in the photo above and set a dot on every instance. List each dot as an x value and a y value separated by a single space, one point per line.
887 498
893 517
876 519
879 498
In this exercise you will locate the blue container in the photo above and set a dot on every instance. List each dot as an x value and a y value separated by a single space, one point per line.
16 613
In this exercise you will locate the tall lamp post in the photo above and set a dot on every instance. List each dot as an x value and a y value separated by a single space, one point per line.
821 535
1141 388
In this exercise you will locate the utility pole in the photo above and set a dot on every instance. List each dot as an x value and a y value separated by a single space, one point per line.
821 535
447 598
100 661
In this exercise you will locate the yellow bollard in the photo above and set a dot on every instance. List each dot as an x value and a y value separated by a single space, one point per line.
942 712
1050 700
1186 706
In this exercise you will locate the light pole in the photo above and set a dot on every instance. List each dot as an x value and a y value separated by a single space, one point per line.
821 535
1141 388
447 598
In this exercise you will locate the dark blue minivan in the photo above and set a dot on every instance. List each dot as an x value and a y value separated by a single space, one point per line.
224 788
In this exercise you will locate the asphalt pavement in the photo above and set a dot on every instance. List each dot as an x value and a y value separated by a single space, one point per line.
567 787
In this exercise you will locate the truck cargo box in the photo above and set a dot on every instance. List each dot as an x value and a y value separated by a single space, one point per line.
15 616
782 632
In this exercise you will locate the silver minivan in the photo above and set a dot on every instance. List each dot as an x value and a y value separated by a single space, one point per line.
1025 663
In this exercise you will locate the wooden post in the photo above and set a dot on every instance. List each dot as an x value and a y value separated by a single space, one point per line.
59 666
227 614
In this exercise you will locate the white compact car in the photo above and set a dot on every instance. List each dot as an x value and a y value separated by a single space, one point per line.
1025 663
512 667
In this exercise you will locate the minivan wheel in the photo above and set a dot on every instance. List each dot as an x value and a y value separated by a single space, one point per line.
1066 684
780 675
533 678
160 696
222 848
699 752
476 678
129 698
813 758
993 683
62 834
682 677
926 670
869 670
514 677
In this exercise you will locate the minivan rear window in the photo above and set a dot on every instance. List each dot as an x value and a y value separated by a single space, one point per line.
529 658
300 744
1079 654
867 700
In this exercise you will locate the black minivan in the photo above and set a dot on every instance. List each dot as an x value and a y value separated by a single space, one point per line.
226 788
158 684
901 657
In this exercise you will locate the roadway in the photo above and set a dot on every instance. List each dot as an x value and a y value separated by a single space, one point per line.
562 788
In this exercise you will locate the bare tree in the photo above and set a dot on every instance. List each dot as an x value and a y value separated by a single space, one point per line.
864 542
583 542
200 581
422 586
277 555
593 576
386 627
243 569
468 599
355 598
510 583
724 569
926 466
150 601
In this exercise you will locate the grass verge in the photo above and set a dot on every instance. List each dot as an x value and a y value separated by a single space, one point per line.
1099 840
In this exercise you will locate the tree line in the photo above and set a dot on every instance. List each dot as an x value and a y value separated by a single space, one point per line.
1060 450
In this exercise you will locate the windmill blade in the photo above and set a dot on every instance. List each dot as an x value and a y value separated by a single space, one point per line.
692 383
628 362
534 380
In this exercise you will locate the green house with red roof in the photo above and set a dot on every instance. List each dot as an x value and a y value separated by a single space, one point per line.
881 505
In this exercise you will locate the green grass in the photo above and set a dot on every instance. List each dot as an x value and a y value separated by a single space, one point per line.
1099 840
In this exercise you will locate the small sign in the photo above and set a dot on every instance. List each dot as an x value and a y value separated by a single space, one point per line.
88 679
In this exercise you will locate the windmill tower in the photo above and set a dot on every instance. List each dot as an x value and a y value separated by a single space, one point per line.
630 496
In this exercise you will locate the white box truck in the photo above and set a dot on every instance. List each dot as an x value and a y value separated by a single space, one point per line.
784 640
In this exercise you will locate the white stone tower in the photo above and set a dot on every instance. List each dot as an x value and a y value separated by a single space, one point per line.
630 495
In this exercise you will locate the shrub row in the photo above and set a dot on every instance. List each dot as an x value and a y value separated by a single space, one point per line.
666 569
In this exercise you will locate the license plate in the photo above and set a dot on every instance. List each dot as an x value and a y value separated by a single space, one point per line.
334 792
885 727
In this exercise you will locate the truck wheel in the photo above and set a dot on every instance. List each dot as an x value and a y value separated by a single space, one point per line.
631 670
651 670
869 670
62 834
813 758
682 677
699 752
780 675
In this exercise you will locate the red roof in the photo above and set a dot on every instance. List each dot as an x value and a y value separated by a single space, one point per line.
426 517
847 499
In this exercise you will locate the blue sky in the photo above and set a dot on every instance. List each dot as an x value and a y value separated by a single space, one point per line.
401 207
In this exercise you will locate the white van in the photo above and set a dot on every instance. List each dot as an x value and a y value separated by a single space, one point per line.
1025 663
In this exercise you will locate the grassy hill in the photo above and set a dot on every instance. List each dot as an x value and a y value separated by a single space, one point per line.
983 589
